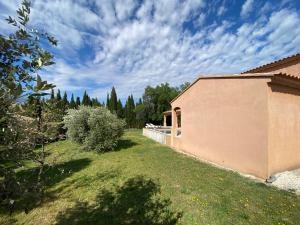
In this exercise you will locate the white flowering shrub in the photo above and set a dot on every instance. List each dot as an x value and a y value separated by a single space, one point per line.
96 128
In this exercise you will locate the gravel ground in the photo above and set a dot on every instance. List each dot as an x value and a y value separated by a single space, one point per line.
288 180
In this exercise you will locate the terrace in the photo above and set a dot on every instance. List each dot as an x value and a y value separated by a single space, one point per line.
162 134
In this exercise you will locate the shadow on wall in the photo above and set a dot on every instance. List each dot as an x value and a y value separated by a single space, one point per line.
136 202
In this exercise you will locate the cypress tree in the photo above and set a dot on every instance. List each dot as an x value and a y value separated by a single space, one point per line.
130 112
113 102
77 102
72 102
120 109
139 102
95 102
52 94
107 101
85 99
65 99
58 95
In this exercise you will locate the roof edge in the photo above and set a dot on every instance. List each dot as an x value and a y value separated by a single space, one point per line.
278 62
225 76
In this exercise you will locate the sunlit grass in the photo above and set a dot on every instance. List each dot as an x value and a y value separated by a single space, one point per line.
82 181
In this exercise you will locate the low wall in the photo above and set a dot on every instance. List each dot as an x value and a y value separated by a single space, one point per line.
157 136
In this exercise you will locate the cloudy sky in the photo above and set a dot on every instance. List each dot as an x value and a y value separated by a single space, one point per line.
131 44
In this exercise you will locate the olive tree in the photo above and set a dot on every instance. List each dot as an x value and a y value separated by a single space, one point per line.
96 128
22 56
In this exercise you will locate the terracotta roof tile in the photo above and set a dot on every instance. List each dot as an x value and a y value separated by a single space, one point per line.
274 63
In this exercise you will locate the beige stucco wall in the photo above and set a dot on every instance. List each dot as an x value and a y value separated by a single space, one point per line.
284 128
225 121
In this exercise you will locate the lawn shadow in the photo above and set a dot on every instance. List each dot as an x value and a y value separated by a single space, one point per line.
51 176
55 173
124 144
136 202
85 181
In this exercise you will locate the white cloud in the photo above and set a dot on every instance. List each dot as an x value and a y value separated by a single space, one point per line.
247 8
137 44
222 9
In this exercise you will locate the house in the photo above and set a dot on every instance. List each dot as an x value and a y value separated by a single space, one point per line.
289 65
247 122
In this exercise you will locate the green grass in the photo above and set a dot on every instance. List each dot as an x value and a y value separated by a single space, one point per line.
133 184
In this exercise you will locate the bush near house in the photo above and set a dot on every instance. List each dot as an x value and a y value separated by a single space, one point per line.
96 128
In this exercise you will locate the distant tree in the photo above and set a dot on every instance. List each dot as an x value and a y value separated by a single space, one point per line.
95 102
78 103
120 110
58 95
113 102
130 112
140 114
183 86
157 100
85 99
72 102
139 102
65 100
107 101
52 94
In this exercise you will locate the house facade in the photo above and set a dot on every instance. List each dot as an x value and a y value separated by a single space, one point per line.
247 122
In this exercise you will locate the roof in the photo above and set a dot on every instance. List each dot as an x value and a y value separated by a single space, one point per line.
242 76
274 64
167 112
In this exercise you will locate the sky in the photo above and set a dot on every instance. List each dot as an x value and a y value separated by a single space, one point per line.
131 44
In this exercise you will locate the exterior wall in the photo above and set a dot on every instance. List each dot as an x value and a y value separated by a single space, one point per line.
168 140
292 68
284 128
225 121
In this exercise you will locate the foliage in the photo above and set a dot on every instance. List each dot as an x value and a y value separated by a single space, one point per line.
183 86
130 113
21 58
76 122
113 101
140 114
72 102
96 128
78 103
58 95
203 193
120 110
156 100
105 130
86 99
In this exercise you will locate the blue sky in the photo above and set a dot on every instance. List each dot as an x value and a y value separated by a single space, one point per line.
131 44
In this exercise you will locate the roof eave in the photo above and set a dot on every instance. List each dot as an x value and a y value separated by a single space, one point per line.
225 76
279 62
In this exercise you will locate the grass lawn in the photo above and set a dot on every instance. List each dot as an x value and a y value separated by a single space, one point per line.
134 184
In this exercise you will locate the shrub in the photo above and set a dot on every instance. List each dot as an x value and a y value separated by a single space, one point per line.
76 121
95 128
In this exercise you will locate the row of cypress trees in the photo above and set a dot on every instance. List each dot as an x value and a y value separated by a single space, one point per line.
113 104
72 104
126 112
